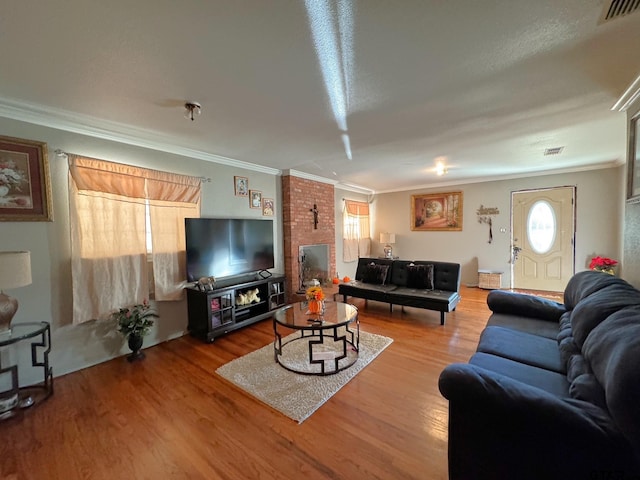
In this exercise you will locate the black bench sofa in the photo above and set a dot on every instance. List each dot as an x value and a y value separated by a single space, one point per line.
553 391
420 284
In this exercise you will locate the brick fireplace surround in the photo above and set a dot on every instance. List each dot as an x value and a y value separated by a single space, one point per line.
298 197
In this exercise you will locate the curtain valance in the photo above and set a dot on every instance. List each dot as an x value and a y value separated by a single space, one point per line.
91 174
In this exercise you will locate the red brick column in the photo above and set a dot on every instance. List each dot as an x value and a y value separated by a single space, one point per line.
298 197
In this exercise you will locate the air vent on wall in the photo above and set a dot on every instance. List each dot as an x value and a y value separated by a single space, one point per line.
553 151
618 8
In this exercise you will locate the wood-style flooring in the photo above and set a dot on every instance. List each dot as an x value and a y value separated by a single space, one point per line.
171 417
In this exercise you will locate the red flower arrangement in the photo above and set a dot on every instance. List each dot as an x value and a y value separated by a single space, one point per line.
603 264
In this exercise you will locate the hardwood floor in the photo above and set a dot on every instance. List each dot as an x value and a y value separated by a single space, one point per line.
171 417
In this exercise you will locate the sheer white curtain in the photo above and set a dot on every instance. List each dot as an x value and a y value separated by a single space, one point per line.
356 240
108 212
171 200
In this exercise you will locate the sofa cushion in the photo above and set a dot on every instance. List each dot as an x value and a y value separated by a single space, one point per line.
585 387
613 352
551 382
597 307
577 366
568 349
420 276
446 275
564 326
501 301
585 283
420 298
522 347
368 291
523 323
366 261
375 273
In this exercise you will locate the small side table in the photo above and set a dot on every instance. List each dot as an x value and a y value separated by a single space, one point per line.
18 397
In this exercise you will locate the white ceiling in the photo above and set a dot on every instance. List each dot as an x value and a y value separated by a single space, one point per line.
489 85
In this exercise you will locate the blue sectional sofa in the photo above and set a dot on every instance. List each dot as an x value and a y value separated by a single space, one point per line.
420 283
553 391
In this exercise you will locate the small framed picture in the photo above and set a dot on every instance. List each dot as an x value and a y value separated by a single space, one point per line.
267 207
255 199
25 184
241 186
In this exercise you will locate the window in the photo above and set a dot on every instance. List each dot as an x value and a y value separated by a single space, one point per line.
356 241
541 227
118 212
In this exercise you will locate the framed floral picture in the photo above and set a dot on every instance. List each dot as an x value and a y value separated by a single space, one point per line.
267 207
25 183
255 199
436 212
633 172
241 186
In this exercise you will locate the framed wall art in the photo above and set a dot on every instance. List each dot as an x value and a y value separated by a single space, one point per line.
267 207
255 199
25 183
436 212
241 186
633 167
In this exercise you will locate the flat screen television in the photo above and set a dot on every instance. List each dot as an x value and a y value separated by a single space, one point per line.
224 247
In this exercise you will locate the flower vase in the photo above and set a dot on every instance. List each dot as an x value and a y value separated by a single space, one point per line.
135 344
316 306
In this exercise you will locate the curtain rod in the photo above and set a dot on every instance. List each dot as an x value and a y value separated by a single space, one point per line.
360 201
62 153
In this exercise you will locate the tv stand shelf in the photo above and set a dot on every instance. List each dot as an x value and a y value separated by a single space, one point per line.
215 312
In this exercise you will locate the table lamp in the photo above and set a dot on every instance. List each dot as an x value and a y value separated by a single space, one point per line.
387 239
15 271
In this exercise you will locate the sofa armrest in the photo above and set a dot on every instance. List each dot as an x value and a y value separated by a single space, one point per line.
503 428
500 301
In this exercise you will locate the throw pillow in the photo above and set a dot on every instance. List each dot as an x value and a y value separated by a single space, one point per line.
374 273
420 276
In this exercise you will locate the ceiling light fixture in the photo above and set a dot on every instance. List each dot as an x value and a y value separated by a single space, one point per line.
441 169
191 109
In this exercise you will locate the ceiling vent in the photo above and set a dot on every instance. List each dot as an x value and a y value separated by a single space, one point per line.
618 8
553 151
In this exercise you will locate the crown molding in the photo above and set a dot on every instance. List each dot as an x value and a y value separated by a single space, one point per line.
629 96
497 178
308 176
343 186
113 131
355 188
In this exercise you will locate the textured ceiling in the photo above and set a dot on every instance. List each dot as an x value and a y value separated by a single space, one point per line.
295 85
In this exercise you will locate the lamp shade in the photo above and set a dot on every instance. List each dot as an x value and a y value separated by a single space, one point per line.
15 269
387 238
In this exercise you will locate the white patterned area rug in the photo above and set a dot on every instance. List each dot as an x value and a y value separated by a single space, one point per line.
295 395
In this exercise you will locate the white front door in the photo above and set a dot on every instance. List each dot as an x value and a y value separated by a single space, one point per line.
542 238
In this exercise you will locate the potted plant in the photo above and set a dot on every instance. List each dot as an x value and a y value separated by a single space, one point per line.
603 264
134 323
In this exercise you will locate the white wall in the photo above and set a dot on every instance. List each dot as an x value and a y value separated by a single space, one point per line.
598 223
49 297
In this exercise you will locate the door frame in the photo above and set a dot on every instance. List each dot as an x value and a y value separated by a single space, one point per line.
573 233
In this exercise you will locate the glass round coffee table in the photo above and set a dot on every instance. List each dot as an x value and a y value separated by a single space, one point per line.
327 343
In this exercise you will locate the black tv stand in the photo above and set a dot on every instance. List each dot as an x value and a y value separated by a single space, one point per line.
219 311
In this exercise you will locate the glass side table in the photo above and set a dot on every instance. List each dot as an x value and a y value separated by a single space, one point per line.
38 335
